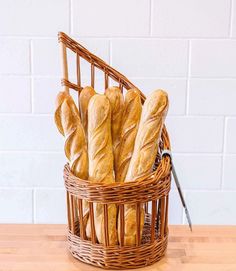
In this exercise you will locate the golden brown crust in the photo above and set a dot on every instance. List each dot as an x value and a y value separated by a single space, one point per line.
84 98
101 162
144 154
69 125
116 100
149 132
129 128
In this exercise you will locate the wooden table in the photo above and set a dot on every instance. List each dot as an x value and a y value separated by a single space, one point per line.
43 247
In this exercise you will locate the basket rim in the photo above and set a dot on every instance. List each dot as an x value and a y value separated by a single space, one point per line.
146 188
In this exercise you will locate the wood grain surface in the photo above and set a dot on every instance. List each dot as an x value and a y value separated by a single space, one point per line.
44 247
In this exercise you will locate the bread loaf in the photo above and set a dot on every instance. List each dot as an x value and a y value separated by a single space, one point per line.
149 132
101 162
69 125
84 98
129 129
145 150
116 100
68 122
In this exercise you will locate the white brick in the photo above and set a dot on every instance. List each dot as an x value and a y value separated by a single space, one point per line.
110 18
195 134
229 175
150 58
14 56
175 208
198 171
190 18
15 206
231 135
15 94
29 133
45 91
50 206
213 58
176 89
212 207
22 169
212 97
234 18
45 50
34 17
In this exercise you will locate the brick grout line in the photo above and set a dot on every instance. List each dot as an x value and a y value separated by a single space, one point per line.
110 52
188 78
70 17
62 188
223 153
36 76
150 17
183 116
210 191
34 189
31 76
123 37
62 152
231 19
33 206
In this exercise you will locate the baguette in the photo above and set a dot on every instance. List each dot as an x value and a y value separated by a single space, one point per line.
69 125
101 162
129 128
116 100
84 98
144 154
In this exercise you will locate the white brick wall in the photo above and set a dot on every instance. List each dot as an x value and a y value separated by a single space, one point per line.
187 47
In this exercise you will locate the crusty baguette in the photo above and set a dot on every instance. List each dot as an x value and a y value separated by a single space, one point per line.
145 150
68 123
84 97
116 100
101 162
129 128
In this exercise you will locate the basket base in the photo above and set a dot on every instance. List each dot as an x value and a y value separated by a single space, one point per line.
116 257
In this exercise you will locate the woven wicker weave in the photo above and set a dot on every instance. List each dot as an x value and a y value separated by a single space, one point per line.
152 191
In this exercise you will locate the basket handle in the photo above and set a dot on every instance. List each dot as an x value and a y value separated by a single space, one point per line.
168 153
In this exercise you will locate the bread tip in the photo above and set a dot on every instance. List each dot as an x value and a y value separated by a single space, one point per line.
161 94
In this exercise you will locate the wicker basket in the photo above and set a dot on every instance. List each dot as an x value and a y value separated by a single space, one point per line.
152 192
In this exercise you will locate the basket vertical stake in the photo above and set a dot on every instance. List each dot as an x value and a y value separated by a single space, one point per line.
72 214
68 209
81 222
166 213
122 224
138 210
91 214
154 213
106 234
162 217
64 65
92 75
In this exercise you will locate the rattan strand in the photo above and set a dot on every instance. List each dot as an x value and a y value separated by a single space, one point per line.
116 257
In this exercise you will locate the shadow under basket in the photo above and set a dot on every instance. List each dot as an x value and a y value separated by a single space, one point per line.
150 193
